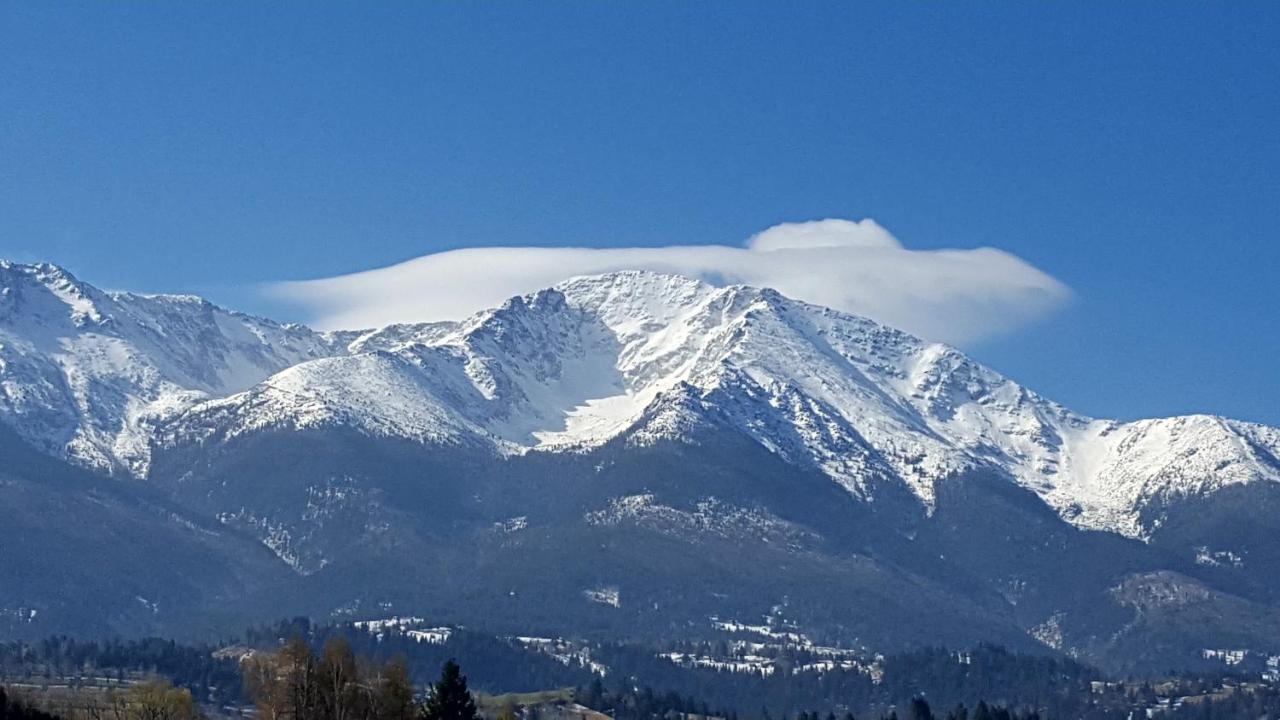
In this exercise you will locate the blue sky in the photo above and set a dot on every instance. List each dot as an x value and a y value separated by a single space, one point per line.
1130 150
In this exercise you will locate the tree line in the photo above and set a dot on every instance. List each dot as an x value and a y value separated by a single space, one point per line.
296 683
644 704
343 671
196 668
1050 686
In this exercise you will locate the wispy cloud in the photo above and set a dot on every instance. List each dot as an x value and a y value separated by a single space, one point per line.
957 296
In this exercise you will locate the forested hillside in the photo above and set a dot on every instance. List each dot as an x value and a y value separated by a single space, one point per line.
628 681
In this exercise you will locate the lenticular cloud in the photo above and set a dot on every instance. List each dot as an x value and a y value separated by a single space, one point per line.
956 296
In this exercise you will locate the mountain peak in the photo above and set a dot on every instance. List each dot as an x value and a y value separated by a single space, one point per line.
88 373
48 293
33 269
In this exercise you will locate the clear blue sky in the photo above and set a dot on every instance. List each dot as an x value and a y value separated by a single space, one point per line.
1132 150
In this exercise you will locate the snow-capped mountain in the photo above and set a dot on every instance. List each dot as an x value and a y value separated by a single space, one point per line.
638 355
88 374
698 450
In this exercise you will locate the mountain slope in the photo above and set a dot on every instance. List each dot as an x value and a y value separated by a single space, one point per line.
87 374
90 375
578 365
89 555
681 449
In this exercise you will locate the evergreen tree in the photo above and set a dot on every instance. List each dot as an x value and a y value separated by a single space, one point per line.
593 696
919 710
450 699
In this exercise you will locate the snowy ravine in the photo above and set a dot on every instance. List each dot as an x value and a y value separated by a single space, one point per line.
102 377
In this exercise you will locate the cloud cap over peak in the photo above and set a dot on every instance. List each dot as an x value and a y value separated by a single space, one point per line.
823 234
958 295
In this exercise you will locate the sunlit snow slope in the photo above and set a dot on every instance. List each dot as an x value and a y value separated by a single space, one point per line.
87 374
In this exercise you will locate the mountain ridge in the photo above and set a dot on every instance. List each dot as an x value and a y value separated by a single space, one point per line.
576 365
684 450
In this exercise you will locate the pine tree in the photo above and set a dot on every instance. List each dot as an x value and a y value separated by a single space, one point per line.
593 697
919 710
450 699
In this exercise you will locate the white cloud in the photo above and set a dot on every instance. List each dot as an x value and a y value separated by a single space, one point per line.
823 233
957 296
